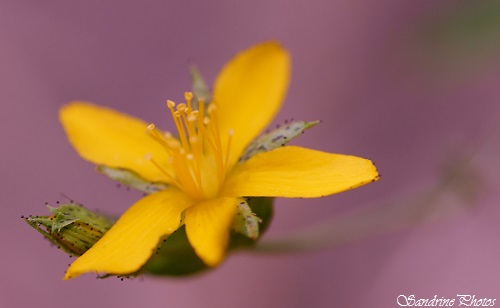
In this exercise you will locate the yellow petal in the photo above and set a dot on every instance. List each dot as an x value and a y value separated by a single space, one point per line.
207 228
298 172
249 91
127 246
107 137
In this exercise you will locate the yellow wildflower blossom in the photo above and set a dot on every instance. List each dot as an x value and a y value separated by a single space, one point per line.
204 179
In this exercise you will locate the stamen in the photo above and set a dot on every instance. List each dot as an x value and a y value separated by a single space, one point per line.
199 157
211 108
179 126
189 125
201 113
188 96
200 126
184 170
214 140
171 178
170 104
159 137
215 125
172 142
230 134
193 139
181 107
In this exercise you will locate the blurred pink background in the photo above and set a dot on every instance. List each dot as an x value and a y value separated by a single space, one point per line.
384 87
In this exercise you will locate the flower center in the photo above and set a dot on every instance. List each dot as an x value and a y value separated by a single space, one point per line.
198 161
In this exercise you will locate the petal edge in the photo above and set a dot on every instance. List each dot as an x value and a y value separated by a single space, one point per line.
249 91
140 227
207 227
298 172
107 137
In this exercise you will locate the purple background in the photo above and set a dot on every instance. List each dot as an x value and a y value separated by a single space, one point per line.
365 68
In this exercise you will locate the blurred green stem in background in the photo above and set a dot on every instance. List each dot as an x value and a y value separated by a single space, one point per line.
464 35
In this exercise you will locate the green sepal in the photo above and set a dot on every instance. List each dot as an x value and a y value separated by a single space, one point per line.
72 228
63 216
199 87
276 138
174 257
245 222
261 207
130 179
37 222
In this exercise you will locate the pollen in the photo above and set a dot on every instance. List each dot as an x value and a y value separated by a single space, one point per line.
198 157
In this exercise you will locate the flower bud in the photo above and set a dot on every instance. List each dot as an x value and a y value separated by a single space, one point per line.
72 228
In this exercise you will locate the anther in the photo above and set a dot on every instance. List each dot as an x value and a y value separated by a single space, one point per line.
170 104
193 139
211 108
173 144
188 96
181 107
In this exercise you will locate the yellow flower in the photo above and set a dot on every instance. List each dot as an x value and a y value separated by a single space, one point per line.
201 168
